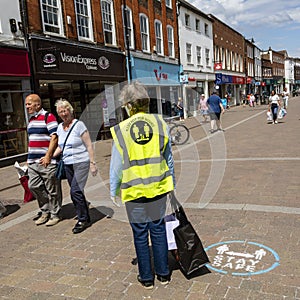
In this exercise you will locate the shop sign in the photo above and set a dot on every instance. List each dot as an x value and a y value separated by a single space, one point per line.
14 62
238 80
183 78
218 66
159 74
56 58
227 79
241 258
249 80
156 73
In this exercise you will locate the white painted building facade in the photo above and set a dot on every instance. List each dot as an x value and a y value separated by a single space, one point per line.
196 55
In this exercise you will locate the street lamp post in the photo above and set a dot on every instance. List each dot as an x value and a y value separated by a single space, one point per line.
127 45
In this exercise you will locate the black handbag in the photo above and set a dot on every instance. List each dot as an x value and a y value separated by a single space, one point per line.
60 168
190 253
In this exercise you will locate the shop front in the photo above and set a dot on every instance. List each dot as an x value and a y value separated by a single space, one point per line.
86 76
232 86
14 87
161 81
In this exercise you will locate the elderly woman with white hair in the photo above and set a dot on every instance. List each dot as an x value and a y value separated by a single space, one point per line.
75 146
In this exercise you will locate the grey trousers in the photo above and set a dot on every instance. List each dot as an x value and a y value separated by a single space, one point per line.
45 187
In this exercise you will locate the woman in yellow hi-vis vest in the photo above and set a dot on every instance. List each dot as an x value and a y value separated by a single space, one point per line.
142 168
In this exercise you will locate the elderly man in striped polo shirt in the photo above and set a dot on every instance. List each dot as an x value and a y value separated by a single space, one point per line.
42 143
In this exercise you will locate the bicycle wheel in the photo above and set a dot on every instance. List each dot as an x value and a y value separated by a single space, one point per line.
179 134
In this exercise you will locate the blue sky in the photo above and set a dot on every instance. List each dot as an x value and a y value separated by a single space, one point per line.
270 22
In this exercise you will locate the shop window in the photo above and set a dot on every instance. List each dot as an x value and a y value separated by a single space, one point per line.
13 136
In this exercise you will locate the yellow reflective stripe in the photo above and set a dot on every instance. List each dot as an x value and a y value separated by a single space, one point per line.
145 181
149 191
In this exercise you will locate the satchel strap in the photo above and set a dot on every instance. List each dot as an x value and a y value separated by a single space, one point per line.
68 136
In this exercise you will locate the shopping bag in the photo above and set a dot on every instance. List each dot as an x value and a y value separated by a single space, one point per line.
171 223
28 196
282 113
269 116
23 177
60 170
190 252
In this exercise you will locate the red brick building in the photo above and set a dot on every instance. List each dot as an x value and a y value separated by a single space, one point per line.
229 61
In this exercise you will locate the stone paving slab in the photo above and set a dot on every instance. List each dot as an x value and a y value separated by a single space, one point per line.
256 203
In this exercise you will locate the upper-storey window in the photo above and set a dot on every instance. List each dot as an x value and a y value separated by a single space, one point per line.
169 3
198 54
84 19
159 37
108 22
170 32
52 16
128 14
207 57
187 20
188 50
206 29
144 25
197 25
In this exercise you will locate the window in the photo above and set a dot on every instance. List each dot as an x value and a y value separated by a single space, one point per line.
52 16
198 53
108 22
144 32
207 58
188 53
197 25
83 18
169 3
159 37
128 21
206 29
187 19
170 33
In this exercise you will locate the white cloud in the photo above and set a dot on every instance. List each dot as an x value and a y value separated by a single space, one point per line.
271 23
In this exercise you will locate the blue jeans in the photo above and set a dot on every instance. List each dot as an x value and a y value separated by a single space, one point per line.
141 210
77 176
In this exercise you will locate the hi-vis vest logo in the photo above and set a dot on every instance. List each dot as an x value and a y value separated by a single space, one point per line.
141 132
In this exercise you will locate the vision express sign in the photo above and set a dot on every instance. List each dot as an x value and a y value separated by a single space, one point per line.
69 60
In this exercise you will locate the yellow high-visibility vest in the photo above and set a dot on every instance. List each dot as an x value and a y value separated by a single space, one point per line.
141 141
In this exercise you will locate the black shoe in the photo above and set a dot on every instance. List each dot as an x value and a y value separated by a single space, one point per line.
81 226
220 129
164 279
148 285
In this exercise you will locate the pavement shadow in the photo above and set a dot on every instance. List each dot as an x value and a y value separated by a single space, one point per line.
9 209
174 265
96 213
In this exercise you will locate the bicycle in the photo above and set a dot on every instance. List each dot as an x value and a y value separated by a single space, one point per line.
179 132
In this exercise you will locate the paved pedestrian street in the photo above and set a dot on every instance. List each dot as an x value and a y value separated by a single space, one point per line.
240 190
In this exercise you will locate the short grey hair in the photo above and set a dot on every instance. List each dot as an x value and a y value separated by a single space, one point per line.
136 96
65 104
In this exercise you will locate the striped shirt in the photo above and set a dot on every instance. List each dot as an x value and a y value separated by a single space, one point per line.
39 134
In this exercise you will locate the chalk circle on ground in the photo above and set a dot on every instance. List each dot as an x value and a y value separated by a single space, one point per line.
241 258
